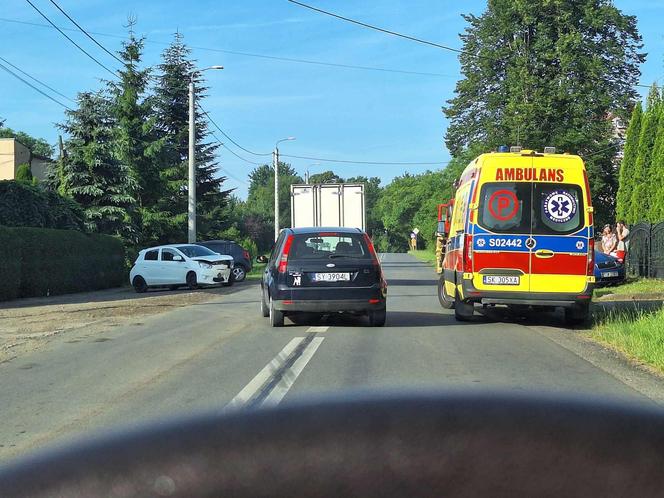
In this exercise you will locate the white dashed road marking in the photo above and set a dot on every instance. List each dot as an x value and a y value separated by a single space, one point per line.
274 381
321 328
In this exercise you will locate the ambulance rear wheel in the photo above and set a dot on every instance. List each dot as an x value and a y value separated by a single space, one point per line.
446 301
463 310
578 314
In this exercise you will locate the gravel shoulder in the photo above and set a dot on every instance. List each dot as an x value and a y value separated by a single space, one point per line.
28 325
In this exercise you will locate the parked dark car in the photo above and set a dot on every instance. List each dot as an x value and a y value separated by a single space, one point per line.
323 270
240 256
608 269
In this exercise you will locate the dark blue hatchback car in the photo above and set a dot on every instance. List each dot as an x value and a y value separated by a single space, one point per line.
608 269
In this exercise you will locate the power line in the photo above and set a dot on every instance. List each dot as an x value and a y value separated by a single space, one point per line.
347 161
229 138
68 38
33 87
35 79
376 28
254 55
86 33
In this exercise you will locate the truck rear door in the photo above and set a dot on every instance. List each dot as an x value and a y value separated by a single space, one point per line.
501 257
559 245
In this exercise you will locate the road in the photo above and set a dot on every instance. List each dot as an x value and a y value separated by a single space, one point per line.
221 353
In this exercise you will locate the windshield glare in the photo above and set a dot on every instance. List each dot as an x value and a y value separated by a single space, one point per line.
195 251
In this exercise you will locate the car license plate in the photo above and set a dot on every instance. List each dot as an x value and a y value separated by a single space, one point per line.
608 274
500 280
331 277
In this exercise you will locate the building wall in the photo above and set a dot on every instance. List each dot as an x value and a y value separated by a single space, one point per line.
13 154
7 162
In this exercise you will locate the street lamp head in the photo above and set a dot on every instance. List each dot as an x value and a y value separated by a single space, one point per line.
216 67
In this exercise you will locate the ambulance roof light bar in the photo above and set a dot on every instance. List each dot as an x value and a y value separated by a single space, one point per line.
549 150
515 149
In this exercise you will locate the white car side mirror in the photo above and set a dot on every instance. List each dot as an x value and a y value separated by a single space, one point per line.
177 258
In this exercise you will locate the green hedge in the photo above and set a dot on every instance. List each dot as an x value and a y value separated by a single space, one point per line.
25 205
43 261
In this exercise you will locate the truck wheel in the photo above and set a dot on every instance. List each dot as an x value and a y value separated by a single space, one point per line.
276 316
463 311
445 301
577 314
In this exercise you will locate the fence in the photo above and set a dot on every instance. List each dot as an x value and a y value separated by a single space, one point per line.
645 255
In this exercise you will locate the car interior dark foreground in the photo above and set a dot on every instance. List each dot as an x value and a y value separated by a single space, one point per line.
411 445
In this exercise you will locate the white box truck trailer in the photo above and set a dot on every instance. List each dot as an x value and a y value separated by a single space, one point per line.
328 205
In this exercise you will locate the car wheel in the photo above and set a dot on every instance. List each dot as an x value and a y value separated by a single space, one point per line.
192 281
463 311
139 284
377 318
445 301
276 316
239 273
265 311
577 314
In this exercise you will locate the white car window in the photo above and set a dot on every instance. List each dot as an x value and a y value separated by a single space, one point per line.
167 254
151 255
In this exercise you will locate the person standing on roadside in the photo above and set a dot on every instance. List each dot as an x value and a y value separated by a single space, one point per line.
622 234
609 240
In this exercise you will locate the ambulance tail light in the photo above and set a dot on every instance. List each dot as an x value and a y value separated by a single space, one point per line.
468 253
590 263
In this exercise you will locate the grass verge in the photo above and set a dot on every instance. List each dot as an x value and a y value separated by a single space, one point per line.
651 286
256 272
425 255
638 334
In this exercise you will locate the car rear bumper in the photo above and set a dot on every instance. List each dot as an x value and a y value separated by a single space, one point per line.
556 299
330 306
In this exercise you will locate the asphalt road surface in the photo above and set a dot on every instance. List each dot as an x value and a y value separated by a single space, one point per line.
222 353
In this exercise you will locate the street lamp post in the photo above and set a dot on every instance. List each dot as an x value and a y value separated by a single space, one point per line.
191 193
275 161
306 173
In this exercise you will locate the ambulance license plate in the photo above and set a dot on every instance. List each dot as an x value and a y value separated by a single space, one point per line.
609 274
500 280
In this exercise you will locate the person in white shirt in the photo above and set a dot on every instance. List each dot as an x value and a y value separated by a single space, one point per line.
622 233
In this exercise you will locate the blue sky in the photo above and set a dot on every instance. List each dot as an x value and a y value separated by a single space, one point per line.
333 112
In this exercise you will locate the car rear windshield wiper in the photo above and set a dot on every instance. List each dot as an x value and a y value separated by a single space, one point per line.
350 256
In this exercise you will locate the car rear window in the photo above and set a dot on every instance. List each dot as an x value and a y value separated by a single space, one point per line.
538 208
151 255
329 244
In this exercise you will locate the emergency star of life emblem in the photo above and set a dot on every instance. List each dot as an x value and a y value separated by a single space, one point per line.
560 206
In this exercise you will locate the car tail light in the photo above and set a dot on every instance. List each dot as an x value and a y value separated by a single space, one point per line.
283 262
245 254
468 253
590 263
374 260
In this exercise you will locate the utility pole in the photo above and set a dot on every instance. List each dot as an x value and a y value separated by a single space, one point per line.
275 161
191 210
191 191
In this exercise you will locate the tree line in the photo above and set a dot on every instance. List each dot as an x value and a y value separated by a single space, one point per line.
126 150
641 178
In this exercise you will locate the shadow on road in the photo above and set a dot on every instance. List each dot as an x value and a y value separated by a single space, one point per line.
118 294
413 282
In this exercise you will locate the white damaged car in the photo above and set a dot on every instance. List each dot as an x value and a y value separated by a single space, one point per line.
180 264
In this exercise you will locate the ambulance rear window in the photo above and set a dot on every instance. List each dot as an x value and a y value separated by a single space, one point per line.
558 208
504 207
